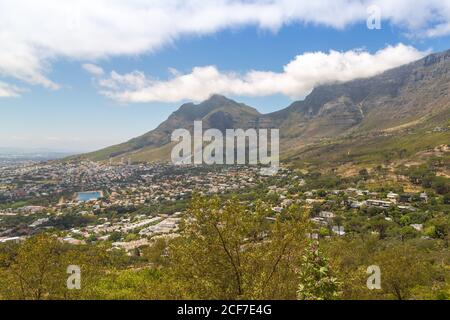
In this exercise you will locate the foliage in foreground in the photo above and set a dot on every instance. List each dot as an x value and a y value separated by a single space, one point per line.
230 251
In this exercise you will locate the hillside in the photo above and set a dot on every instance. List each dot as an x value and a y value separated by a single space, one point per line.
363 120
217 112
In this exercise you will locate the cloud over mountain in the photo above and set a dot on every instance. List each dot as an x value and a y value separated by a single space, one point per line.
35 34
298 78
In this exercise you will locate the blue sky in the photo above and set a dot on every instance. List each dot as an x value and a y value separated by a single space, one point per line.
65 107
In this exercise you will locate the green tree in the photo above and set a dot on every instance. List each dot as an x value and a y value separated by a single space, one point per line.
380 225
115 236
402 269
226 251
316 281
447 198
156 253
364 174
37 268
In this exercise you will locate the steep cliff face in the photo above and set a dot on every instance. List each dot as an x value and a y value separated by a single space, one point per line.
396 97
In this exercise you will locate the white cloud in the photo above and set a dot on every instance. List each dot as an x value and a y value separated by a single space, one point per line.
36 33
9 91
439 30
298 78
93 69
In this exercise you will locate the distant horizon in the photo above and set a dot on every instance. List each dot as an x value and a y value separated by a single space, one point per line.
36 150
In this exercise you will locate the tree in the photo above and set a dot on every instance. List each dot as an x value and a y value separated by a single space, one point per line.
226 251
408 232
441 185
115 236
156 253
414 269
37 268
132 284
447 198
380 225
402 269
364 174
316 281
35 271
338 220
440 228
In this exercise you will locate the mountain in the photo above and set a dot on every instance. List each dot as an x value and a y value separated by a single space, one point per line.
217 112
374 118
396 110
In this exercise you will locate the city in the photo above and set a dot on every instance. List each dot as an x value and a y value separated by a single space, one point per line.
139 203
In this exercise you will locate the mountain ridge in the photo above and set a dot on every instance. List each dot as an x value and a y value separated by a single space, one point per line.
408 95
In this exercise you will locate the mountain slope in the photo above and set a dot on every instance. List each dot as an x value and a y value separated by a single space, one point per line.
379 111
217 112
395 97
402 103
